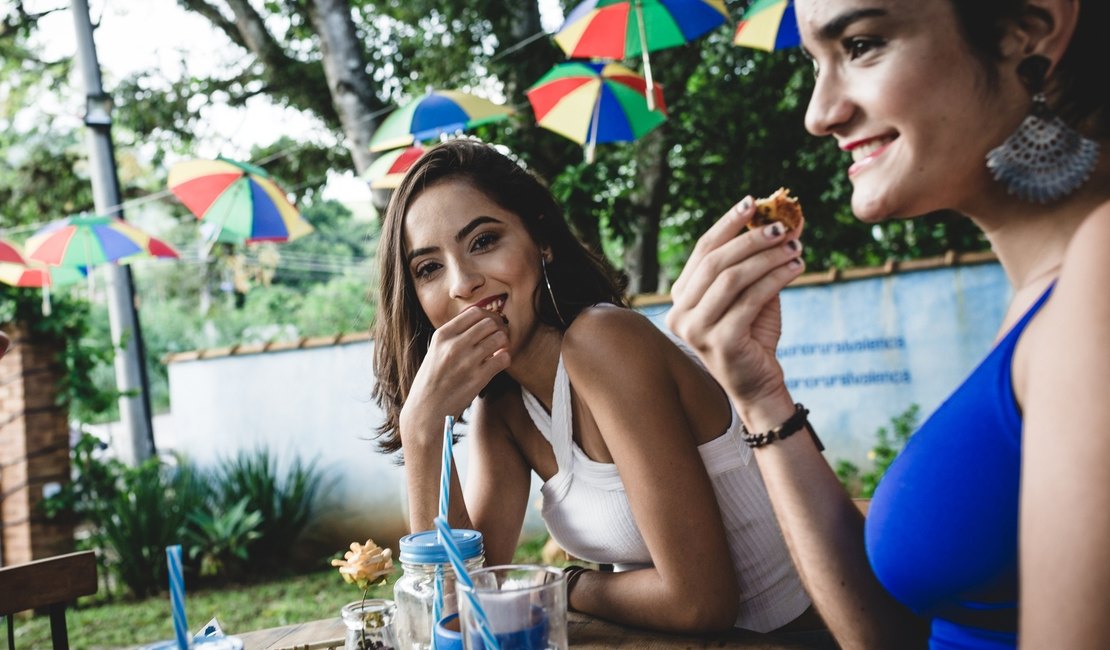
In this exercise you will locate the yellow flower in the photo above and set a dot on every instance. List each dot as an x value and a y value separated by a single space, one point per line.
365 564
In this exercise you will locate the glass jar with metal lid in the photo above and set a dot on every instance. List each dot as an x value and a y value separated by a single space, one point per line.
423 561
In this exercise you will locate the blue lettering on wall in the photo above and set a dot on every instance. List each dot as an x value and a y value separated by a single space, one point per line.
842 347
851 379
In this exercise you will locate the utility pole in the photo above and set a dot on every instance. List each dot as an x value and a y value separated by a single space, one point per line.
131 375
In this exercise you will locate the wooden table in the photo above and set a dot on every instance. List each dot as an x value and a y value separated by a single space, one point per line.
583 631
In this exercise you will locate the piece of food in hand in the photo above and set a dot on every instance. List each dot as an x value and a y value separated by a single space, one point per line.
365 564
780 207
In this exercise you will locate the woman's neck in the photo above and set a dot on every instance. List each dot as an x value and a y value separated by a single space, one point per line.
1031 239
535 363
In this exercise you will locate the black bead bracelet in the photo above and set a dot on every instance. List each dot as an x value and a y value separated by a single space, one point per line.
793 424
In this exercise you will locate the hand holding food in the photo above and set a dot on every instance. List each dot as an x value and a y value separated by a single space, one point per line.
725 302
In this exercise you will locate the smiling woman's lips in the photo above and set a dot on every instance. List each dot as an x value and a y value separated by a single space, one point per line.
496 305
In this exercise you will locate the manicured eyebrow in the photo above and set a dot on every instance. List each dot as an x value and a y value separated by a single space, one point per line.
474 223
461 235
835 27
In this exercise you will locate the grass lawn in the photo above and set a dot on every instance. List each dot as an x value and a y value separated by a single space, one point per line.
96 624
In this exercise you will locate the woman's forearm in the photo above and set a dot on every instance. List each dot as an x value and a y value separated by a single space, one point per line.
642 598
824 531
422 442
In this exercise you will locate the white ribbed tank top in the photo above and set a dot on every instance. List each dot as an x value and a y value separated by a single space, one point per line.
586 511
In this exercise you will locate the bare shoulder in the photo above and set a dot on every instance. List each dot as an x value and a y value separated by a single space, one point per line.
1086 269
604 334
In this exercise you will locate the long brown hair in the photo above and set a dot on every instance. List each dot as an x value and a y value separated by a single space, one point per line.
579 277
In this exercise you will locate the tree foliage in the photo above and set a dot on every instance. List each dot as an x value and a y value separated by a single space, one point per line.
735 127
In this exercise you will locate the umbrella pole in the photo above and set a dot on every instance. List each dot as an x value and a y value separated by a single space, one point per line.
644 55
594 119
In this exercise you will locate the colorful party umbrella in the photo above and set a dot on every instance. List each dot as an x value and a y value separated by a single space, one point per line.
9 253
621 29
239 198
436 113
595 102
768 25
386 172
40 275
89 240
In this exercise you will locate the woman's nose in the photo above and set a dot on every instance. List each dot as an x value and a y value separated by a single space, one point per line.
465 280
829 107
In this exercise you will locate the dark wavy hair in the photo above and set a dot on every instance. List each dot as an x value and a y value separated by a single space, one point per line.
1080 90
401 331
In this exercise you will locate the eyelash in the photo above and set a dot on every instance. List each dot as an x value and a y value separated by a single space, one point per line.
854 44
482 242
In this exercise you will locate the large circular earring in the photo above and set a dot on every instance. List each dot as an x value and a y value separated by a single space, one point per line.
550 293
1045 159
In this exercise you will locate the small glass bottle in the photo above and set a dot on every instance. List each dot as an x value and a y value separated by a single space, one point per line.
422 558
369 624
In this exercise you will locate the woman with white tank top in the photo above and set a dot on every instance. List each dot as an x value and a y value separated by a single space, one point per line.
488 301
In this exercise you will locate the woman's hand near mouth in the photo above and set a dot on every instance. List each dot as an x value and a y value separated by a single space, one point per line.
463 356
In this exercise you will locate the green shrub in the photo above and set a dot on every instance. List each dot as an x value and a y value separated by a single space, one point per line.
149 512
285 503
889 443
220 541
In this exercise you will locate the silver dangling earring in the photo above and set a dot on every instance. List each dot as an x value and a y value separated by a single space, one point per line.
1045 159
550 293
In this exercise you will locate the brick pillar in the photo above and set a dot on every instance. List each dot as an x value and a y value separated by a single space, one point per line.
34 448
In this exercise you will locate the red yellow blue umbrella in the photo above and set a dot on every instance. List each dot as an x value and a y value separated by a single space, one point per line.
436 113
621 29
237 198
386 172
592 103
90 240
768 25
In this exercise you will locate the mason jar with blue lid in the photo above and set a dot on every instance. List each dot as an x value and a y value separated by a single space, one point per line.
422 559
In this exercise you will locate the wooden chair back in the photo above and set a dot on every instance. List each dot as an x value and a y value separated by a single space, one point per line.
50 583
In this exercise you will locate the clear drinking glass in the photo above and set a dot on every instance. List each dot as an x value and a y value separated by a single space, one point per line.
525 604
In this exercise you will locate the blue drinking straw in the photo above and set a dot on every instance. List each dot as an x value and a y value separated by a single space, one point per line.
455 556
177 596
444 508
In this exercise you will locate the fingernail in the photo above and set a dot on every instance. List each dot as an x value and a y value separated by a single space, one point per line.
772 231
793 245
743 205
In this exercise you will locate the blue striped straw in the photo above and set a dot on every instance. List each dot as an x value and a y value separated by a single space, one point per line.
455 556
177 596
445 470
444 508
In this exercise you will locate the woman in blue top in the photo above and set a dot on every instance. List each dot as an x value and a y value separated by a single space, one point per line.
997 109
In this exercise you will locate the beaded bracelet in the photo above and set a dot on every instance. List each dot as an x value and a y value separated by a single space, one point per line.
793 424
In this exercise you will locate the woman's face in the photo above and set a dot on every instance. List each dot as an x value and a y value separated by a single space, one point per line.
899 88
463 249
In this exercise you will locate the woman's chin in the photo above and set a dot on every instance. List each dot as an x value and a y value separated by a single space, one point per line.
869 209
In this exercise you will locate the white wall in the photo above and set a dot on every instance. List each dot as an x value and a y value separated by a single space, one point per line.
313 403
